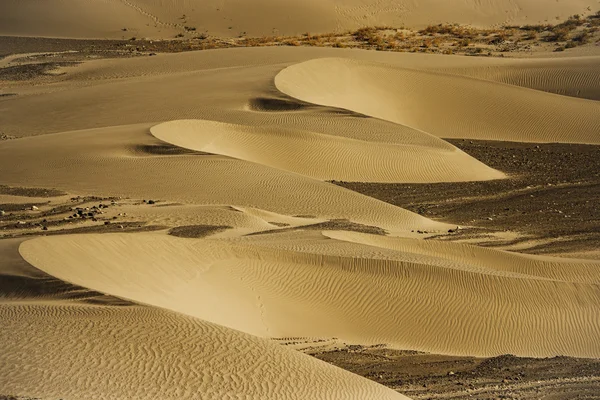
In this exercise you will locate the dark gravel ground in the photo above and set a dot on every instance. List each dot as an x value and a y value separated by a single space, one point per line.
553 192
430 376
20 45
197 231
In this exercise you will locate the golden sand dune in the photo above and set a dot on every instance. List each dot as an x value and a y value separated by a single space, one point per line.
61 341
123 161
253 134
443 105
326 157
163 19
441 298
570 76
237 86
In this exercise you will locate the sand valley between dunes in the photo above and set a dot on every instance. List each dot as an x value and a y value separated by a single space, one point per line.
186 226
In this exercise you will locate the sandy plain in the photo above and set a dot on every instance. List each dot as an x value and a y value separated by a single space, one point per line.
178 225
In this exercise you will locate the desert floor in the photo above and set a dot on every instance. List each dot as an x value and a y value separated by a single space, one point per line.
299 216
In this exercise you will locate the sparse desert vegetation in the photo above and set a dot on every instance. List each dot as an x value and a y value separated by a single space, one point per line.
374 199
443 38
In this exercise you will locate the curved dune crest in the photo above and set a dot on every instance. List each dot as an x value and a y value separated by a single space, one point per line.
451 299
144 353
108 153
60 347
443 105
326 157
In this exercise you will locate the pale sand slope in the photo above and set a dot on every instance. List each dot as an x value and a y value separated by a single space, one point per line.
232 86
445 106
568 76
326 157
227 86
60 341
163 19
441 298
122 161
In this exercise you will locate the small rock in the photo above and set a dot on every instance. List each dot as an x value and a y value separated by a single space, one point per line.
34 208
489 218
2 213
151 202
106 222
451 373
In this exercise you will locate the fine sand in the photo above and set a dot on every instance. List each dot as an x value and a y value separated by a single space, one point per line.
224 158
409 293
116 19
64 341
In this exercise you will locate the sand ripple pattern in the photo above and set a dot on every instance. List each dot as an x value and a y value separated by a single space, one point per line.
441 298
326 157
146 353
64 341
448 106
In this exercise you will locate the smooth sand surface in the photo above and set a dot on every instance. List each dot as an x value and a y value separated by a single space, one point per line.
164 19
247 138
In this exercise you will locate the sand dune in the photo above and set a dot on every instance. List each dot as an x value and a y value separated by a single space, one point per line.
445 106
446 298
119 161
236 85
65 341
245 139
326 157
571 76
163 19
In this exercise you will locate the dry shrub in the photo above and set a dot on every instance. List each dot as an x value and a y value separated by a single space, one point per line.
536 28
581 38
558 34
530 35
291 42
368 35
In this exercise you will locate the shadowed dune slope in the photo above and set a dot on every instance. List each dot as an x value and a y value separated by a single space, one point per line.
326 157
443 105
57 343
162 19
452 299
